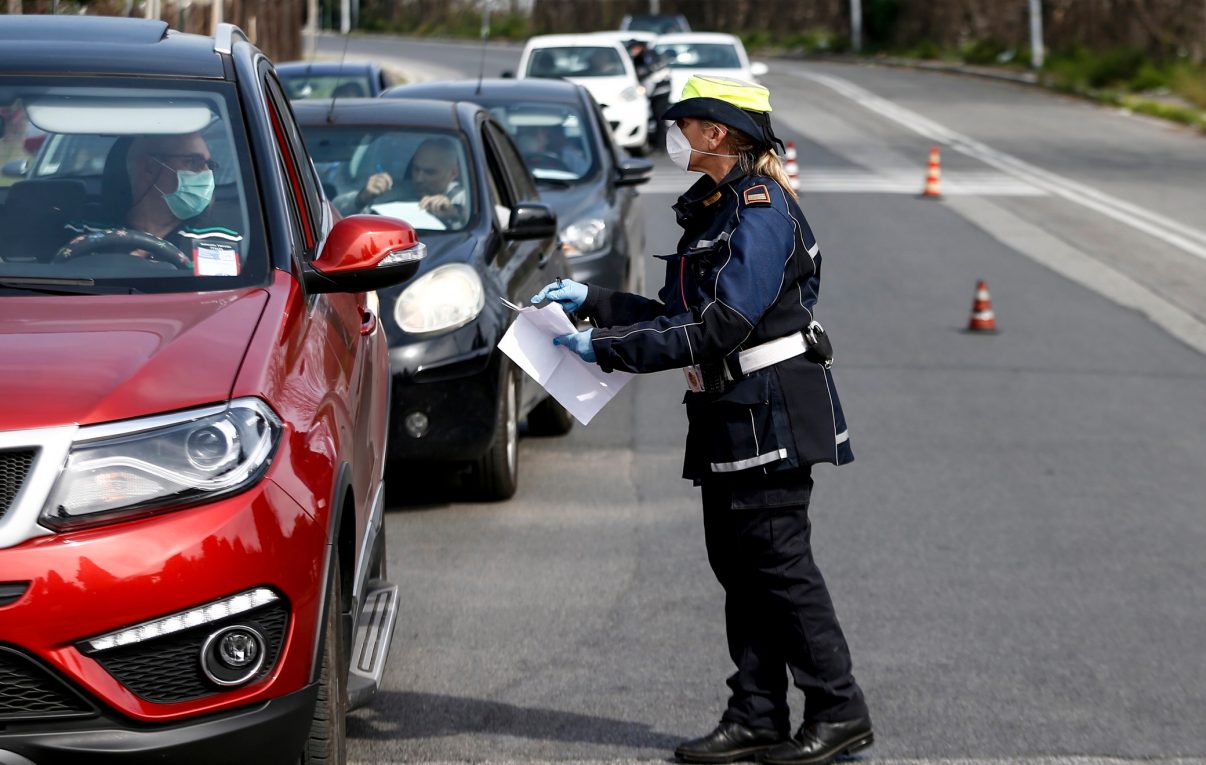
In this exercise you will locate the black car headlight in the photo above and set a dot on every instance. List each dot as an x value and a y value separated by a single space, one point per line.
139 466
444 298
585 236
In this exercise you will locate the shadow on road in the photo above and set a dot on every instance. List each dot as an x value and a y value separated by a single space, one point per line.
400 715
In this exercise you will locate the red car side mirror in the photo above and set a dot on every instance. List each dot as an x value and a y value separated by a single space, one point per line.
365 252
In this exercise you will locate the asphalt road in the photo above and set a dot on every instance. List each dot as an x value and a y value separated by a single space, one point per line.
1016 554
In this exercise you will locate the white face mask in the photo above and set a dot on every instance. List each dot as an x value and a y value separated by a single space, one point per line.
679 149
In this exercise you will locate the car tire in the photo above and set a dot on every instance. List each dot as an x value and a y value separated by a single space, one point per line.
327 744
550 418
498 469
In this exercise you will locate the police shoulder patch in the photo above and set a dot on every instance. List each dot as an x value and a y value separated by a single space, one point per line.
757 195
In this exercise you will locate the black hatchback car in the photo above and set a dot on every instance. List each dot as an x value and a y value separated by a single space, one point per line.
453 173
588 180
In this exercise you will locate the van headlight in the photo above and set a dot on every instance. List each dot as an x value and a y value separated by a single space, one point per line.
140 466
444 298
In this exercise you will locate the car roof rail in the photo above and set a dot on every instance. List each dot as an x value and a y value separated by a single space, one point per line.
225 37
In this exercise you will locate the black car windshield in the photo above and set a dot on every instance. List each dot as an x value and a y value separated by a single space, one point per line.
655 23
142 188
415 174
300 86
699 55
553 139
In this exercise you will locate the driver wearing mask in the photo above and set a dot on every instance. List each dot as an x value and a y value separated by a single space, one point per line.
171 187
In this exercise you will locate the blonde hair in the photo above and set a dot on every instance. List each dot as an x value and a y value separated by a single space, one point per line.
752 161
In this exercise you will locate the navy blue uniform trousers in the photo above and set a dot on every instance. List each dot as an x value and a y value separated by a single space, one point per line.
778 613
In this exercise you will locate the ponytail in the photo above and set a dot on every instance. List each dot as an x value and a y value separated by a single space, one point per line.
756 161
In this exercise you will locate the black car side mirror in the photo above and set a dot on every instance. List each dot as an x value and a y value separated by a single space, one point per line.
507 74
531 220
633 171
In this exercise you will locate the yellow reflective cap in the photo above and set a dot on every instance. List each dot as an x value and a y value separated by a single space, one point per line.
739 93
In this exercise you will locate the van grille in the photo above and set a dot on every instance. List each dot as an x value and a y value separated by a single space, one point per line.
14 467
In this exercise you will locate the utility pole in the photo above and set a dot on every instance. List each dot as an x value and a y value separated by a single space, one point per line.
1036 34
14 7
345 21
653 7
217 15
856 25
311 29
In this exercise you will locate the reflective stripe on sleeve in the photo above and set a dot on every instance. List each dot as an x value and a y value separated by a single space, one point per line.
761 459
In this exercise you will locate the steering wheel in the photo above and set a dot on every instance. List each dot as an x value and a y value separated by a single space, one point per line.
124 240
545 160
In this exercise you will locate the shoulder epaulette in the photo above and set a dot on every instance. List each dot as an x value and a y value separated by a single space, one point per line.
756 196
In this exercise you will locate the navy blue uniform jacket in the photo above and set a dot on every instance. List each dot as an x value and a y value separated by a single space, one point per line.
747 271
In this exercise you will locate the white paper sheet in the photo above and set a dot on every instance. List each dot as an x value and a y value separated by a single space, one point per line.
411 213
581 387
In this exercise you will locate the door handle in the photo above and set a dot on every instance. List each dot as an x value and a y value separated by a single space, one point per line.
368 322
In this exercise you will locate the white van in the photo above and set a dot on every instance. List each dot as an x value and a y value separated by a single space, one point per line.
604 68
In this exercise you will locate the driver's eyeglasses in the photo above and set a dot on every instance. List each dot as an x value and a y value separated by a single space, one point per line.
193 162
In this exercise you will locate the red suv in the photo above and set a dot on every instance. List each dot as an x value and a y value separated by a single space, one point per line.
195 394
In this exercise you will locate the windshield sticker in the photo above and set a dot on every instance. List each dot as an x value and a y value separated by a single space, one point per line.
215 260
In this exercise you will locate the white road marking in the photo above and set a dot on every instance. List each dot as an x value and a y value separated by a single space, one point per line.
1181 236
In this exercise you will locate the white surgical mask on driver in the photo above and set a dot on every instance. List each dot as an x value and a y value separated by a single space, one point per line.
679 149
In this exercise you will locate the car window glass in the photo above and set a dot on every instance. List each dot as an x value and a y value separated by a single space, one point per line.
501 211
496 172
144 186
516 170
700 55
553 139
608 139
310 194
575 61
302 86
414 174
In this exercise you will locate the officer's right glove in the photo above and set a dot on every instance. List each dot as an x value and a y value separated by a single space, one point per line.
579 343
569 293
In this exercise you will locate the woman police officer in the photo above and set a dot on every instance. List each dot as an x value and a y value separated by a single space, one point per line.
736 313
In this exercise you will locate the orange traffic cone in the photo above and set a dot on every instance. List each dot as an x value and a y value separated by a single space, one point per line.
933 176
790 166
982 317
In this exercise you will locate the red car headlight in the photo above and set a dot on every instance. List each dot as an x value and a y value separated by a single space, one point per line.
140 466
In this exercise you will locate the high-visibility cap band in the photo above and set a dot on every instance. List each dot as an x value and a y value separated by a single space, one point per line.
739 104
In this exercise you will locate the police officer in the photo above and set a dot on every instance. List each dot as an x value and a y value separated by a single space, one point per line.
736 314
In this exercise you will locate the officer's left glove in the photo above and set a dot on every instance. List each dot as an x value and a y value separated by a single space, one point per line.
579 343
569 293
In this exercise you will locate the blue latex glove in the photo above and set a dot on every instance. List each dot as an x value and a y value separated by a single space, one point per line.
579 343
569 293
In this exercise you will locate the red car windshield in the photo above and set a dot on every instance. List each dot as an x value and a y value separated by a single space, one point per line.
142 188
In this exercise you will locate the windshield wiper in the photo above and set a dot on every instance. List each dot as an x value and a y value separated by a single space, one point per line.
60 286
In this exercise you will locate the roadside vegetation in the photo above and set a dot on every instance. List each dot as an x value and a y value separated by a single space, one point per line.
1171 88
1162 78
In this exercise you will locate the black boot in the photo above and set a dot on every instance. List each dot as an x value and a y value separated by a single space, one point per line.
730 742
818 743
